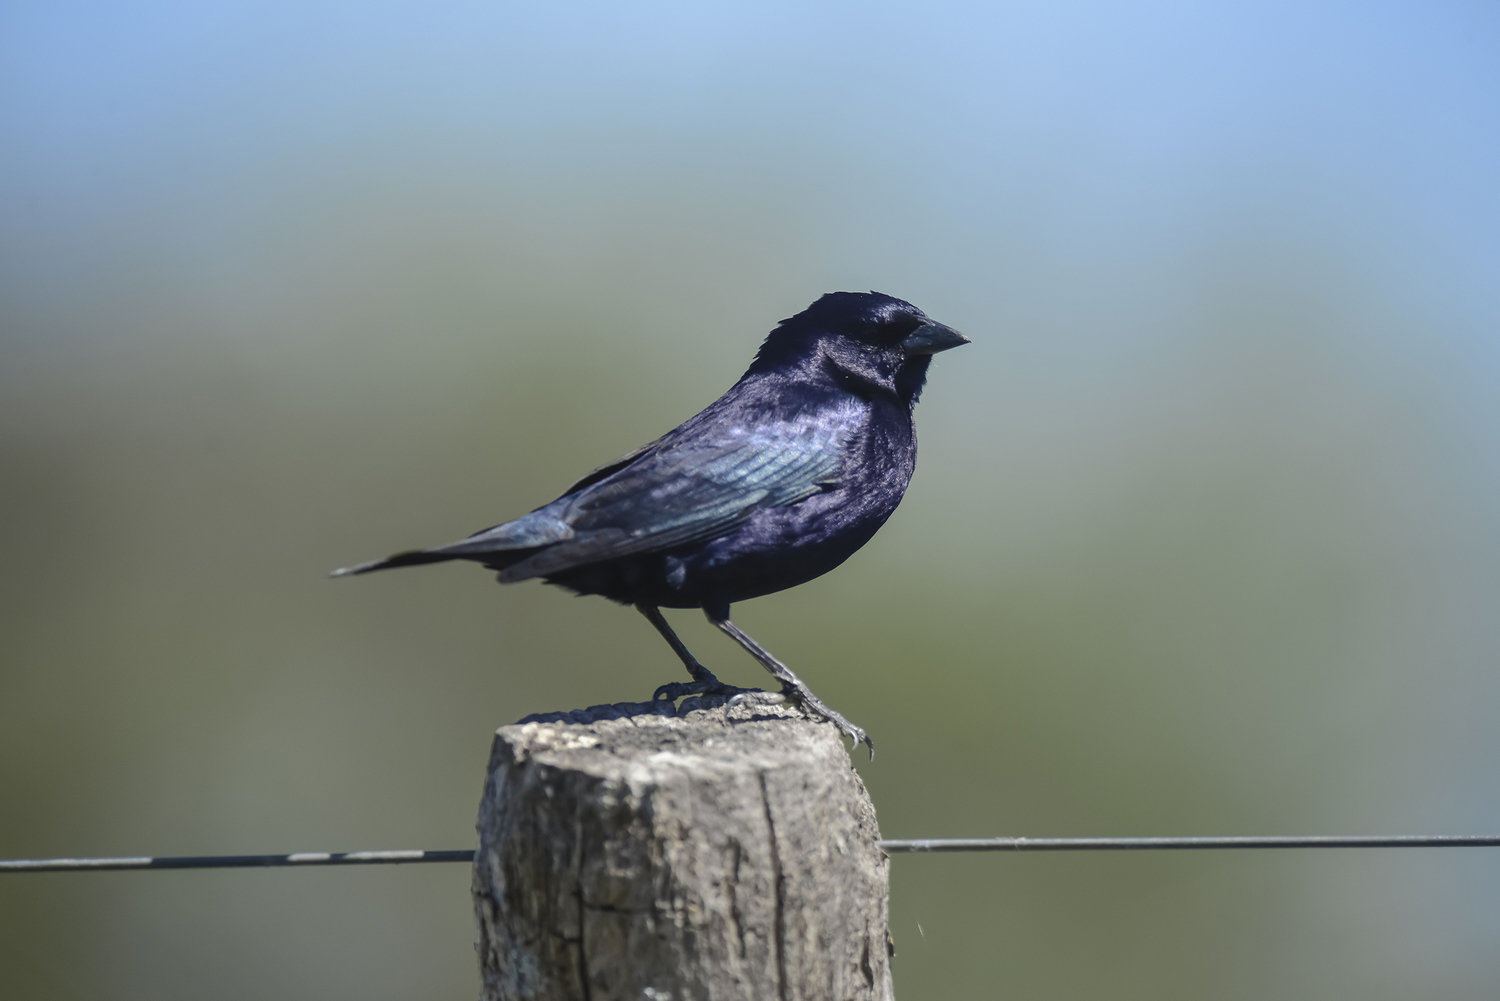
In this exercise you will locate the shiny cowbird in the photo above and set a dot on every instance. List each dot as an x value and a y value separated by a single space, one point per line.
778 481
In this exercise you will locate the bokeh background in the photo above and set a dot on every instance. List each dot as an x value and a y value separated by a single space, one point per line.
1204 538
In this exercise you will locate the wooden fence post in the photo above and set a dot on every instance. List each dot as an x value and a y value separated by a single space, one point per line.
689 858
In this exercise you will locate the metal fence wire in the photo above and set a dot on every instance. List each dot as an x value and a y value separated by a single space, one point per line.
892 845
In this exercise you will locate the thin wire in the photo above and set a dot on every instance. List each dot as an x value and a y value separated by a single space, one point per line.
903 845
233 861
1023 844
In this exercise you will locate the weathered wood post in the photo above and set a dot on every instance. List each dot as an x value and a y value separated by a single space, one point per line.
690 858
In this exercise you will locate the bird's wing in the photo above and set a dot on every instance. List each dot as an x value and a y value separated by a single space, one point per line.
609 468
695 487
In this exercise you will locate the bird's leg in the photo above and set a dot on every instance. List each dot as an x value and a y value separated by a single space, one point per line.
698 671
791 685
703 683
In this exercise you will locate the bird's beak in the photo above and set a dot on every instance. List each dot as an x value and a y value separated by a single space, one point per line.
930 338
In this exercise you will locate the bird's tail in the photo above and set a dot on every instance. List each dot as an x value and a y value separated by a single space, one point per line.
410 558
496 547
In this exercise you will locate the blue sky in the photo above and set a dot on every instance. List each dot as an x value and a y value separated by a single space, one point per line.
1112 138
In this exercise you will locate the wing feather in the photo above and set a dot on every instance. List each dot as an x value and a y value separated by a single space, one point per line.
694 489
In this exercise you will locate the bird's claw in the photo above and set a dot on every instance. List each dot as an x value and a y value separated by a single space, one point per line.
856 735
808 701
707 684
672 691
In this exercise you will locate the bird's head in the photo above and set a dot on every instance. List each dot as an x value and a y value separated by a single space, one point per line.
868 342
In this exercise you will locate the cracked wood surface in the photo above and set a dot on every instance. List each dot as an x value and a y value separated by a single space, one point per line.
691 858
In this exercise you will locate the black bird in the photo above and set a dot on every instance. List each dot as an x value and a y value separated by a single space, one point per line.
777 481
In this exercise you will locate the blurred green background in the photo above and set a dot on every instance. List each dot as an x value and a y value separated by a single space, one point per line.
1204 538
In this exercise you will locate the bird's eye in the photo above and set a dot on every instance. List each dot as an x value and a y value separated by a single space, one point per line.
895 327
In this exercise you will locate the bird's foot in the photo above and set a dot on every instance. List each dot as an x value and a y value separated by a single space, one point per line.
708 685
805 698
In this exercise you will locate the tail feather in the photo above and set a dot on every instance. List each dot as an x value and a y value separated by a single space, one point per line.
496 547
411 558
